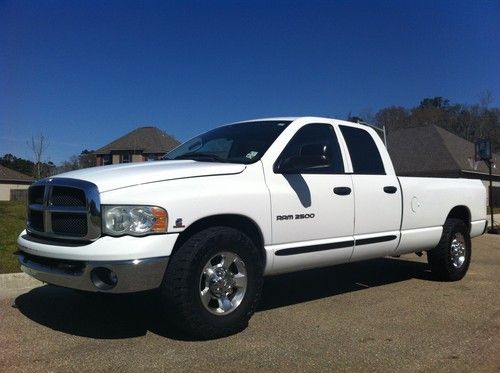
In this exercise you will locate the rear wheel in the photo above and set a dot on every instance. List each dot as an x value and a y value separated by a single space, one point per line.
450 259
213 283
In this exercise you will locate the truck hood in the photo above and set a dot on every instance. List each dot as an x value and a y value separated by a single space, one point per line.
125 175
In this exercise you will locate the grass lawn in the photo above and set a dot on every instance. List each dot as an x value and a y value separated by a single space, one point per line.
12 222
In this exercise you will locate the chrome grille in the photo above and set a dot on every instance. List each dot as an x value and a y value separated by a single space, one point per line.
64 209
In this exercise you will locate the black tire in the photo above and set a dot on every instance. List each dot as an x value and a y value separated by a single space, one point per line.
181 284
445 265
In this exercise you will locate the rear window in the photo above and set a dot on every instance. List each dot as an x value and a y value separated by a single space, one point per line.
365 156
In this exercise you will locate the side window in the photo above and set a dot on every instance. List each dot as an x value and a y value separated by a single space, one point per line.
365 156
312 135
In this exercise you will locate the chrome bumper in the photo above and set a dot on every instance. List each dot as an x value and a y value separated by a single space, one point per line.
132 275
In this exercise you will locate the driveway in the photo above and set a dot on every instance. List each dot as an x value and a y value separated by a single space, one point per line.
380 315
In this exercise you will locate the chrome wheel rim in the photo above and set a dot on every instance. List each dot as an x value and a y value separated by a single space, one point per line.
223 283
457 250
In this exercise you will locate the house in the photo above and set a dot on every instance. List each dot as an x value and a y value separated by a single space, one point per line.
434 152
13 184
142 144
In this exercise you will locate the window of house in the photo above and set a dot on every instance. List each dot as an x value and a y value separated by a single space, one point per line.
151 157
126 158
320 135
365 157
106 159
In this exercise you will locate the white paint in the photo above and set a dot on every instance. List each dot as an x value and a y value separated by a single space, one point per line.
290 263
413 240
437 197
129 174
477 228
375 250
105 248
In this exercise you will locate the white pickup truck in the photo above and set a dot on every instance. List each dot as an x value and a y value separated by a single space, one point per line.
239 202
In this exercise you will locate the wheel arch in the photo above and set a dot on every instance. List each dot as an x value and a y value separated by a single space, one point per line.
240 222
462 213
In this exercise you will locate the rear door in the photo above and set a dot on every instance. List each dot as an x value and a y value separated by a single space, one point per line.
377 195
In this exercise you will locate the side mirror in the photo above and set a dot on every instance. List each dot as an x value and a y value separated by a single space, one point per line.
311 157
301 163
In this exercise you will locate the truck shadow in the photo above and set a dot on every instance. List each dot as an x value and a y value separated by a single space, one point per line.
126 316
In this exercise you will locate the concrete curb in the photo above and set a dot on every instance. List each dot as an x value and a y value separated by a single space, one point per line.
17 281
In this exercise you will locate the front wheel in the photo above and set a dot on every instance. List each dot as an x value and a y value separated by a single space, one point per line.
213 283
450 259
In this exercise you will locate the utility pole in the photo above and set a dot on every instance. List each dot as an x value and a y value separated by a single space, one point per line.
492 228
482 150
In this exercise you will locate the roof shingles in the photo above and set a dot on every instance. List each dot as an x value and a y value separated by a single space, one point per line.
6 174
431 151
147 140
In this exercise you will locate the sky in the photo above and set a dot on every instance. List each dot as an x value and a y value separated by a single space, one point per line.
84 73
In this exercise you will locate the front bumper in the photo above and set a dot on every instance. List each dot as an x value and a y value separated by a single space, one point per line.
131 275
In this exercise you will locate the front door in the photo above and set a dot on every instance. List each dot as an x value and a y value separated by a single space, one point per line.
312 211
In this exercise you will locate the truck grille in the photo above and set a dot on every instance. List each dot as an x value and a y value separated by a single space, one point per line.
63 208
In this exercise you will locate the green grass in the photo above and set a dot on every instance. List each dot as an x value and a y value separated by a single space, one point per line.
12 222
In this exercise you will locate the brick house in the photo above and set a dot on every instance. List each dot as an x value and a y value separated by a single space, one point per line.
142 144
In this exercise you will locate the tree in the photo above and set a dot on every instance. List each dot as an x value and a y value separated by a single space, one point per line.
18 164
87 159
38 145
470 122
70 165
485 98
393 118
436 102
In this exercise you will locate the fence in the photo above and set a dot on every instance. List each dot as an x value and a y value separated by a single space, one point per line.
19 195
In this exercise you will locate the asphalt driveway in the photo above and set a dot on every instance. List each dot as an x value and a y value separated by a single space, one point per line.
380 315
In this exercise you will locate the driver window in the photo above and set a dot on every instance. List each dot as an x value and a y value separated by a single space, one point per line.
311 137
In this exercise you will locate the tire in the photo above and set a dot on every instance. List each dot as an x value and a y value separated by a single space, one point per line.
450 259
213 283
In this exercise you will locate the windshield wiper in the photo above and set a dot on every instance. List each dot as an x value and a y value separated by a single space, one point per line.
209 157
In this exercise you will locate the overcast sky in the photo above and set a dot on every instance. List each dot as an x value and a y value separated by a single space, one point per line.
86 72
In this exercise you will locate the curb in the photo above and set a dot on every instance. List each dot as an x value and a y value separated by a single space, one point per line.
18 281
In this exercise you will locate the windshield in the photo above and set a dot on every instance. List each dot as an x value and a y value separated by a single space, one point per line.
236 143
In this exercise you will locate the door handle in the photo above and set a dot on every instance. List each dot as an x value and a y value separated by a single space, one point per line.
342 191
390 189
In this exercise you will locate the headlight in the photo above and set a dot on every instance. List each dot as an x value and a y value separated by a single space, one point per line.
134 220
